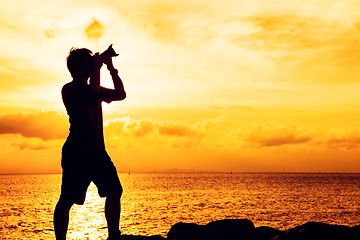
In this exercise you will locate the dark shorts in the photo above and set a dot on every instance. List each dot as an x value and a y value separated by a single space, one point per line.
82 168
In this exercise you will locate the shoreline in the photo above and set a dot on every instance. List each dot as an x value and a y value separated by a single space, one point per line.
244 229
199 172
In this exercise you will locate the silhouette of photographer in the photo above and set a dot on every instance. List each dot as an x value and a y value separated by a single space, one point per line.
84 158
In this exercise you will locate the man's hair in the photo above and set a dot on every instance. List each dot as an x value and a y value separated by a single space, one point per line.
77 57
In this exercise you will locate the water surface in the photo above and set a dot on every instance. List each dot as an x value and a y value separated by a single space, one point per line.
152 203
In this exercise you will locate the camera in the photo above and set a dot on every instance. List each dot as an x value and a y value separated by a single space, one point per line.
110 51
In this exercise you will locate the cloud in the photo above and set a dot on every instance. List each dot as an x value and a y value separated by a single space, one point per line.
147 133
141 128
174 129
127 127
292 32
328 50
273 134
158 19
43 125
95 30
222 134
15 142
45 130
342 138
174 21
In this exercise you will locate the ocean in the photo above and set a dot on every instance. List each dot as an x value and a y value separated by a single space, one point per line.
152 203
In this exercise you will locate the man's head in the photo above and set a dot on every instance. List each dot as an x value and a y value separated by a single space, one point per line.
79 61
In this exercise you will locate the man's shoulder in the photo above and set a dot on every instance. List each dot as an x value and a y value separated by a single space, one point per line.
73 89
67 90
67 86
71 86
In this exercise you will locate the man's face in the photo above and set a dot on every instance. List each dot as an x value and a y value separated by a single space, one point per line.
86 69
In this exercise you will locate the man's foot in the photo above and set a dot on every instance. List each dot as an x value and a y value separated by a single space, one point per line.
115 236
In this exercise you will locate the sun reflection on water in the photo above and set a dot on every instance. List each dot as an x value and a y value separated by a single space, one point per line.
88 219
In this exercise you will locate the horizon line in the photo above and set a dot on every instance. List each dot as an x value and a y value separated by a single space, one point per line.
194 172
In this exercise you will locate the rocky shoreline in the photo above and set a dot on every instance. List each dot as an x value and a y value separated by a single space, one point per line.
243 229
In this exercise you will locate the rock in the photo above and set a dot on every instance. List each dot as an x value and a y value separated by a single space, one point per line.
242 229
133 237
181 230
265 233
355 231
229 229
316 231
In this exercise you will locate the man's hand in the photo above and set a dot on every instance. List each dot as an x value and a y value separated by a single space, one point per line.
108 62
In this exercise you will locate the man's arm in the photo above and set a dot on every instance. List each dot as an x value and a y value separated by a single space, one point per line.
118 93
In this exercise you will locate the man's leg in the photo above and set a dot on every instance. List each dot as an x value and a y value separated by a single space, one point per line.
112 213
61 218
105 177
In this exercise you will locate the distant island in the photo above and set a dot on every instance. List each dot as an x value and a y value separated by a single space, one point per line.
171 170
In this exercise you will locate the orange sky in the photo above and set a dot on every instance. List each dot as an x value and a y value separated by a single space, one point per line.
231 85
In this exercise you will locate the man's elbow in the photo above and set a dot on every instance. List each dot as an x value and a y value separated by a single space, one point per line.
121 95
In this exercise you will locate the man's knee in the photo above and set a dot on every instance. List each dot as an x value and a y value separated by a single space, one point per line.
64 203
115 194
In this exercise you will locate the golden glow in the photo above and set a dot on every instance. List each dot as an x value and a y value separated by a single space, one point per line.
230 86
